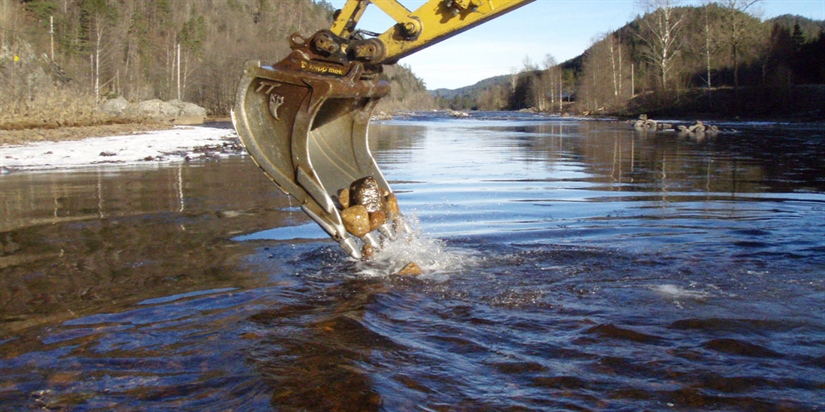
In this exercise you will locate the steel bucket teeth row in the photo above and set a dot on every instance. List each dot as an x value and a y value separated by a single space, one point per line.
308 133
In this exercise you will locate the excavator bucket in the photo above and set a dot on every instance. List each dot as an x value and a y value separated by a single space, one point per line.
305 124
304 120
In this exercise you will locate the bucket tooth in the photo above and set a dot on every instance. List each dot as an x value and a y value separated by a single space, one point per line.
371 240
351 248
387 231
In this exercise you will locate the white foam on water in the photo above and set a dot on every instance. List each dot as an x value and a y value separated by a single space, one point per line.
678 292
435 258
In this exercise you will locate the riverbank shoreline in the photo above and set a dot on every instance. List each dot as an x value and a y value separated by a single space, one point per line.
147 142
133 144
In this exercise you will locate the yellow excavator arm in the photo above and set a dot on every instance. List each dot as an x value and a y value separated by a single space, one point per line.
431 23
304 119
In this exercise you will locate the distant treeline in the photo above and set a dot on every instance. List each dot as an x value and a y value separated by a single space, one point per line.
192 50
712 59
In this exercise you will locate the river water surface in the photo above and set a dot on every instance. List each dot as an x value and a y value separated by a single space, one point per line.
570 265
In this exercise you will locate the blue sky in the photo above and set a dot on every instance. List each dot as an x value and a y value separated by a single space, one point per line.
560 28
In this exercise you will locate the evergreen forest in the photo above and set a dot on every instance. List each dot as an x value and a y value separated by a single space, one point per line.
716 60
60 58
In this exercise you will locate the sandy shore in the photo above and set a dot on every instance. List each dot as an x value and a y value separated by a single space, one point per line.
121 145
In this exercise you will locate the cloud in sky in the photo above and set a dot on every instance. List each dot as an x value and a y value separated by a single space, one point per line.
561 28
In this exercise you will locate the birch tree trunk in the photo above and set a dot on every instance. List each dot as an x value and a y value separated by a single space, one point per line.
98 41
709 74
662 26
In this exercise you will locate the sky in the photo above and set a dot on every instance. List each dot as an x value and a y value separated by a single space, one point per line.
562 29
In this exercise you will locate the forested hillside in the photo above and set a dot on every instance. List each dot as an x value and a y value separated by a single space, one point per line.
72 53
716 59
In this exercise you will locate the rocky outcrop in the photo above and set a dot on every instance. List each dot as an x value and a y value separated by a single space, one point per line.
643 124
173 111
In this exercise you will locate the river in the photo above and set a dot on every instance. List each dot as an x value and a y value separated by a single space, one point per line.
569 265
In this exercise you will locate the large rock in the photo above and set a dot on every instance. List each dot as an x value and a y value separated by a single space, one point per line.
115 106
188 113
173 111
154 109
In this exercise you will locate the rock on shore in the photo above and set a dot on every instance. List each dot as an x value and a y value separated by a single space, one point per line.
172 111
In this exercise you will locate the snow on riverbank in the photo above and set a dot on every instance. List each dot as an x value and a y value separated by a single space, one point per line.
173 145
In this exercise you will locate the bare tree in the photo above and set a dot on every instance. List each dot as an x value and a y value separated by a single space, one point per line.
100 17
737 26
710 46
617 62
777 57
596 85
549 80
605 74
708 49
661 27
534 83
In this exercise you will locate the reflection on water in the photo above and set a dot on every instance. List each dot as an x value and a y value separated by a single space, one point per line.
90 239
571 265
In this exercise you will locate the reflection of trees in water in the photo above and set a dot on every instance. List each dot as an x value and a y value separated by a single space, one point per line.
74 241
728 163
30 199
748 161
396 139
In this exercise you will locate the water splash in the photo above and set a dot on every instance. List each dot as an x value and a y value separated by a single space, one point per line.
434 256
679 295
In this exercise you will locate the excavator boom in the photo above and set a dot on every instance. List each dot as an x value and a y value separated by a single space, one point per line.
304 120
432 22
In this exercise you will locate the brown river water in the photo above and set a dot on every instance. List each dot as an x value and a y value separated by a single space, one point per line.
570 265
